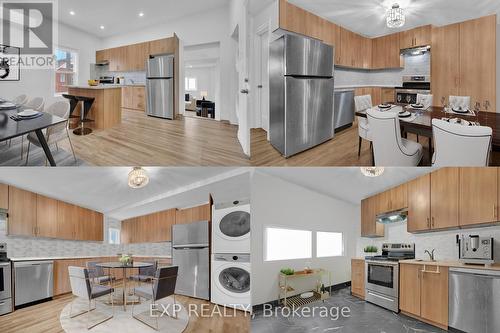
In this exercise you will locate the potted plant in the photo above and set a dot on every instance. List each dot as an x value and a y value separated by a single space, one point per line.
370 249
287 271
126 259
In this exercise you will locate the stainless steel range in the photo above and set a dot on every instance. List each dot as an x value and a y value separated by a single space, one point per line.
382 274
413 85
5 281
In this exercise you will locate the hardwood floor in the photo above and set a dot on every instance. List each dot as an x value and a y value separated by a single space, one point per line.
44 318
142 140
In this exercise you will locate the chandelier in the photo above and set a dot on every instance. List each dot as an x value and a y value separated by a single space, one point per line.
372 171
395 17
138 178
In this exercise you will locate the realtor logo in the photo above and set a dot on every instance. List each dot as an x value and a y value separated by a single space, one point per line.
29 26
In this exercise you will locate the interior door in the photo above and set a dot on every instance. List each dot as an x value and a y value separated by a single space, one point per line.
263 84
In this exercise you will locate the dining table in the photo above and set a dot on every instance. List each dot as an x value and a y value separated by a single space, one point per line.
10 128
420 122
124 266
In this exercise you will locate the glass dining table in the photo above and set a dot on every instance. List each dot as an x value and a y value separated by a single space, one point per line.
124 267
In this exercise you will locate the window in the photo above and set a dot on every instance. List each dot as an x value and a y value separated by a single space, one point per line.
191 84
66 70
285 244
114 236
329 244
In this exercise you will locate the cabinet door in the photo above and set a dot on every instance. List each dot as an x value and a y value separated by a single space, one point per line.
434 295
444 198
128 97
369 226
102 55
358 277
386 52
398 197
89 225
445 62
22 212
331 36
478 60
478 195
423 35
162 46
4 196
406 39
117 59
165 221
348 50
67 220
409 288
388 95
125 231
419 204
136 57
46 217
139 98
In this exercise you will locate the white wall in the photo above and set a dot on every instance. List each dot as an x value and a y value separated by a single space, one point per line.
22 247
42 82
442 241
280 203
206 81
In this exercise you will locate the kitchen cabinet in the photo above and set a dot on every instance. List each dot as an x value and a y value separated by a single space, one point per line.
358 277
46 217
478 60
386 52
61 274
102 56
89 225
134 98
420 36
136 56
151 228
424 293
22 212
331 36
354 51
478 196
419 204
163 46
369 226
444 198
117 59
388 95
4 196
445 62
195 214
67 220
393 199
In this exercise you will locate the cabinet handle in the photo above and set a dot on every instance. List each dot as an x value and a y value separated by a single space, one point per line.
494 210
428 223
433 222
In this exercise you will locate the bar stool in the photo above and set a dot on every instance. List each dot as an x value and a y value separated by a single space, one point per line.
87 103
73 103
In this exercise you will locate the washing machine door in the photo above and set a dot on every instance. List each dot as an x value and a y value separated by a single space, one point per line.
234 281
235 225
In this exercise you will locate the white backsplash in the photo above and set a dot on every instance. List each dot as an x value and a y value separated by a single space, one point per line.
22 247
130 77
443 241
414 65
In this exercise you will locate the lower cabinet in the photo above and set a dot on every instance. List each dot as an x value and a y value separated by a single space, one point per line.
358 277
423 293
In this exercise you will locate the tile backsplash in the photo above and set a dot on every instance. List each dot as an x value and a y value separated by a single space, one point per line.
130 77
22 247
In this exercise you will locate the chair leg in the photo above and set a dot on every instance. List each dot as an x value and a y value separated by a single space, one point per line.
71 145
27 153
359 147
175 313
57 147
22 146
418 139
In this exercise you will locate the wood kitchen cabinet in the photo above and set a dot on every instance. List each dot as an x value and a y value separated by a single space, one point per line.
420 36
388 95
394 199
163 46
386 52
478 196
4 196
22 212
67 220
423 293
61 274
444 198
134 98
358 277
419 204
331 36
46 217
136 56
117 59
194 214
89 225
151 228
102 56
369 226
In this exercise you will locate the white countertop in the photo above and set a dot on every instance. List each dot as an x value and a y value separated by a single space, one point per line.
365 86
106 86
81 257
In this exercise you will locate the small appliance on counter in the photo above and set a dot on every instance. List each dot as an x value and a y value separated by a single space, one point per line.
107 80
5 281
475 250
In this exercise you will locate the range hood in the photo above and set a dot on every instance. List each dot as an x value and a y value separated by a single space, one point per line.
392 217
102 63
416 51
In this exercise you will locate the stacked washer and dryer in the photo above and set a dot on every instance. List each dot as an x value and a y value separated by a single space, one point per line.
230 280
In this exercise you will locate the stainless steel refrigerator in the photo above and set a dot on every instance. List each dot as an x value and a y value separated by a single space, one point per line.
301 93
190 251
160 86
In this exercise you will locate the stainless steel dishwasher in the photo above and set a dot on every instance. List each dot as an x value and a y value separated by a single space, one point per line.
34 281
474 299
343 109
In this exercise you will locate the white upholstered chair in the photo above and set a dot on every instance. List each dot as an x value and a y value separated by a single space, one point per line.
362 103
458 145
389 147
56 133
20 100
37 104
425 100
460 102
83 287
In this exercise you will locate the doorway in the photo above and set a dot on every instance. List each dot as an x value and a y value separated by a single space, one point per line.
262 70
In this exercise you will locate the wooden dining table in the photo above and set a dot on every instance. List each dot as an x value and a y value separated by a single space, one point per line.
10 129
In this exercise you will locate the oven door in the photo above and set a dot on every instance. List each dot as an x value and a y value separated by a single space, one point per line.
5 280
383 277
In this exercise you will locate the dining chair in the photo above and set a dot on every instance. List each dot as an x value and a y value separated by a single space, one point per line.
425 100
146 274
83 287
56 133
459 145
459 102
362 103
20 100
97 273
37 104
389 148
163 285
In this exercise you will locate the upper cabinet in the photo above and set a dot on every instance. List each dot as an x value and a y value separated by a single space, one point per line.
420 36
22 212
369 226
444 198
393 199
151 228
419 204
4 196
46 217
194 214
386 52
117 59
136 56
102 56
163 46
478 195
355 50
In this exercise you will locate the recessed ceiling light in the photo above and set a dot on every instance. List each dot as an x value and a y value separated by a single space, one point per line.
102 27
141 14
72 13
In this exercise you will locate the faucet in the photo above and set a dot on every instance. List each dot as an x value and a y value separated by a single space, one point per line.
431 254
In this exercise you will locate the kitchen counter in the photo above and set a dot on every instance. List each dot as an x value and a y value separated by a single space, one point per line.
495 266
107 86
82 257
365 86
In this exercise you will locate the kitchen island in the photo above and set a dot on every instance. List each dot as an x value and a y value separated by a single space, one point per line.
106 110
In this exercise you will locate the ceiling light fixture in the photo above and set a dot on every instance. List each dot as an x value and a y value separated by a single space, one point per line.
141 14
72 13
395 17
372 171
138 178
101 27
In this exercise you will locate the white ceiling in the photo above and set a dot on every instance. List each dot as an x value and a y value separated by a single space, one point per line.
367 17
122 16
106 189
347 184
